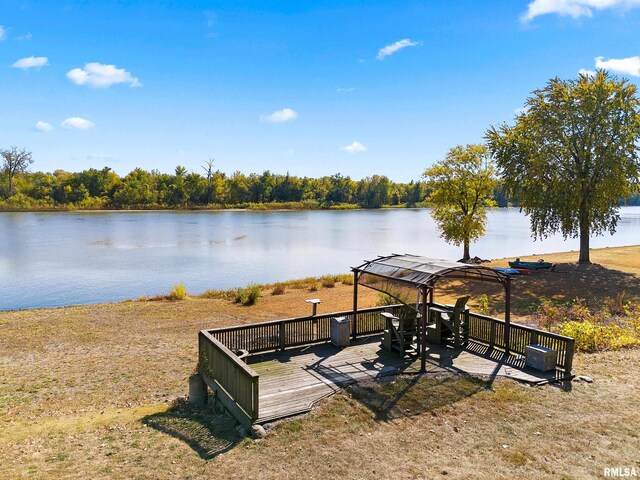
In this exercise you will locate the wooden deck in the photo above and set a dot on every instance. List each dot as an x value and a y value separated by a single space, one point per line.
293 380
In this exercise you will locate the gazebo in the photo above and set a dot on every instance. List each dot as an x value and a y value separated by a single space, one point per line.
405 277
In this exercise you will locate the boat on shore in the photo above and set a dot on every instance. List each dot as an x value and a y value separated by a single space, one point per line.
539 265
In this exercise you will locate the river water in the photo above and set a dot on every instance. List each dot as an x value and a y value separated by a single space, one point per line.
54 259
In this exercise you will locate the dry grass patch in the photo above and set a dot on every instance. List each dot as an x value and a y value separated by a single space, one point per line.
208 433
410 427
412 395
87 392
84 359
459 427
83 422
309 284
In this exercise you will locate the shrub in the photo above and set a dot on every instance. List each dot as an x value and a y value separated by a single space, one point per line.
483 304
593 337
344 206
20 201
346 279
296 284
279 289
618 305
615 326
328 281
313 287
248 295
384 300
549 314
178 292
301 283
93 203
219 294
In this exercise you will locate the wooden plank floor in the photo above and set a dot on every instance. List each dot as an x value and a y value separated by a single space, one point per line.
293 380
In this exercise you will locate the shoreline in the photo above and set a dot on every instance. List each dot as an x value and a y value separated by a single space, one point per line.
265 207
258 207
618 253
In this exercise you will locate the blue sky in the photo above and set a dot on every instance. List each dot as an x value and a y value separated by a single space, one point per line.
313 88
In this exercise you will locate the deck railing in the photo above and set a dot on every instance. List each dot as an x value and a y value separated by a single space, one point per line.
219 363
221 368
490 330
293 332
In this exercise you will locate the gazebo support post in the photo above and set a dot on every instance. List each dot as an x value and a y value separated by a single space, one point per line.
423 330
507 315
354 330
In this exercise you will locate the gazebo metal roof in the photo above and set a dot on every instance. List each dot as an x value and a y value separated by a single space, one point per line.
423 271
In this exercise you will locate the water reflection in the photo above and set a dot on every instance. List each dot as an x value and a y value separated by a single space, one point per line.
49 259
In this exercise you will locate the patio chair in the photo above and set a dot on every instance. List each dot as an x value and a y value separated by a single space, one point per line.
401 331
454 321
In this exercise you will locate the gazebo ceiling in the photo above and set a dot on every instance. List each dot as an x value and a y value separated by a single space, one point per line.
423 271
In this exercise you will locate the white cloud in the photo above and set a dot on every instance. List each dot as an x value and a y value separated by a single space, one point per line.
520 111
574 8
31 62
279 116
394 47
588 73
27 36
355 147
77 123
99 75
3 33
344 90
629 66
43 126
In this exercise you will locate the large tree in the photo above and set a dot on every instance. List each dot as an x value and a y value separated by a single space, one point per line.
208 168
373 192
572 155
15 160
461 190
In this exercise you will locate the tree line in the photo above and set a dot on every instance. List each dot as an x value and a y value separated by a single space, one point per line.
96 189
